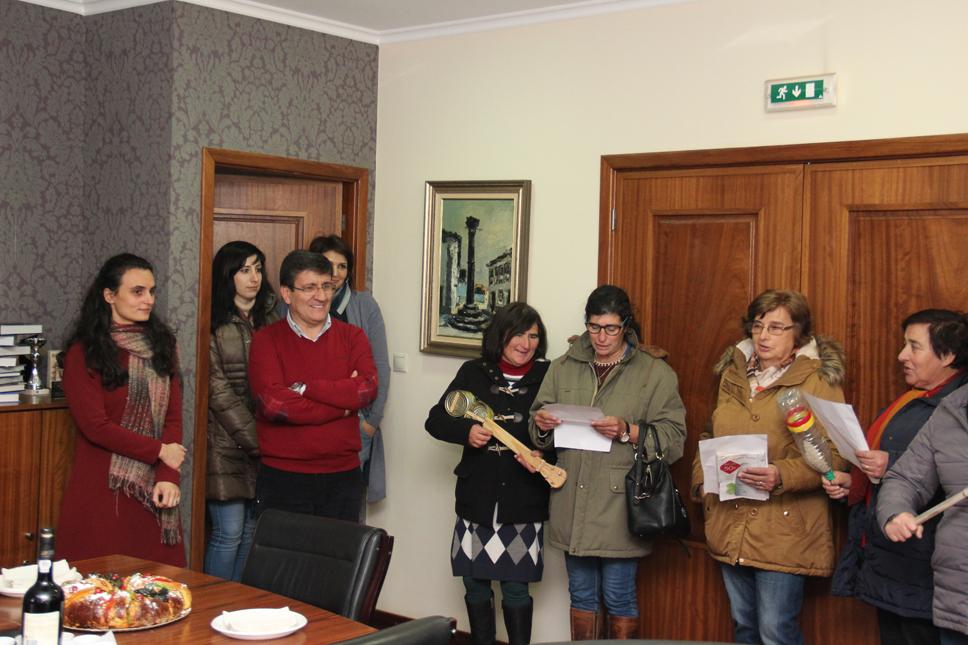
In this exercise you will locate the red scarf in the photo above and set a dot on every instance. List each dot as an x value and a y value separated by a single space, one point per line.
515 370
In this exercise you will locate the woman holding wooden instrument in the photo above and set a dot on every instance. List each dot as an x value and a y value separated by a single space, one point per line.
497 497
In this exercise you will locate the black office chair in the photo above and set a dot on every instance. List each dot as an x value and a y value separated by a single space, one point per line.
638 641
339 566
433 630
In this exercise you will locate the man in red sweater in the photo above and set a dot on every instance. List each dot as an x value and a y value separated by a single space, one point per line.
309 375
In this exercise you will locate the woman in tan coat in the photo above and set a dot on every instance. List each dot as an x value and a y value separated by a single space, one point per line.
242 301
767 547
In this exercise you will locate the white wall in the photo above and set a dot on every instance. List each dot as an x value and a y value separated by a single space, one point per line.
544 103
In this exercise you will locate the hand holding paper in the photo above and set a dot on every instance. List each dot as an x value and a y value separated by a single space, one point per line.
575 429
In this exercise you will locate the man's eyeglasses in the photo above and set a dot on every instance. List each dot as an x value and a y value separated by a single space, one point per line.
313 290
774 329
610 330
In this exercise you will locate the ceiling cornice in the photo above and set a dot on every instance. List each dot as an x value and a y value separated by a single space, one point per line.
568 11
262 11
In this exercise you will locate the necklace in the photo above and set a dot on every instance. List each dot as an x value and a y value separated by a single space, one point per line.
611 363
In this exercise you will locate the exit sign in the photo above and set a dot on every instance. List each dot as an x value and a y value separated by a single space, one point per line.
801 93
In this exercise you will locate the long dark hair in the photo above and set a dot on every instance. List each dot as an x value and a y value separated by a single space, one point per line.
226 263
93 326
609 299
509 321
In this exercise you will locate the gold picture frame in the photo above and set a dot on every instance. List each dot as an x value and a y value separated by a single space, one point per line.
475 260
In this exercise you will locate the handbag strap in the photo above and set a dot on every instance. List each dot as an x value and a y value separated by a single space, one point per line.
641 452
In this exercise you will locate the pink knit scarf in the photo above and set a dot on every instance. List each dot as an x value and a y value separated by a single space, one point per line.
144 414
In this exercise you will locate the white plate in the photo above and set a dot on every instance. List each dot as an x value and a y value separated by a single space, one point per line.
13 592
298 622
18 592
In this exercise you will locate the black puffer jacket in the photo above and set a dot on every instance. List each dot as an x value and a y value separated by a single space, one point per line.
485 477
233 448
893 576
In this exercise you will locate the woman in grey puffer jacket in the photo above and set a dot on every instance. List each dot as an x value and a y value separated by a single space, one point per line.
242 301
938 456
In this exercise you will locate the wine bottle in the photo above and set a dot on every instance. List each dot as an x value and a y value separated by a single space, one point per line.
44 602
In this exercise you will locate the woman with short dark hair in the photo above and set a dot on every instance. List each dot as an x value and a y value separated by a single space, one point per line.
897 578
124 394
242 302
498 499
606 368
767 548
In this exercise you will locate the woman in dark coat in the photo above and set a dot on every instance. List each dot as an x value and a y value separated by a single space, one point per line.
897 578
496 496
123 391
242 302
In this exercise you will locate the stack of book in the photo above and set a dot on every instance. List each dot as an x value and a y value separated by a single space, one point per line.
11 367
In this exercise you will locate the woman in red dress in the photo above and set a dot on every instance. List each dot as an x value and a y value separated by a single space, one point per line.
123 391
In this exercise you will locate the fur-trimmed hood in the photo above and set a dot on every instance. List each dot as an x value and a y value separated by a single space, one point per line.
828 351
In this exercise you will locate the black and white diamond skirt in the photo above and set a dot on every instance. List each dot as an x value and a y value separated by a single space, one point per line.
510 552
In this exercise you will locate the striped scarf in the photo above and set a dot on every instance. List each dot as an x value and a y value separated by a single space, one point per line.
144 414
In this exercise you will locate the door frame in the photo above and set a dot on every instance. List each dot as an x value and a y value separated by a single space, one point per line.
355 182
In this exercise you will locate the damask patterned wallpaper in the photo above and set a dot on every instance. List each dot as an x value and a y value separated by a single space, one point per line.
101 140
127 157
44 237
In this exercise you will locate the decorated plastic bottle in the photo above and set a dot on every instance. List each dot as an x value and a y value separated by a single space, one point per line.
800 421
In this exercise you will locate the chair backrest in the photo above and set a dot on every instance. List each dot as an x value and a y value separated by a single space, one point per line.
634 641
432 630
339 566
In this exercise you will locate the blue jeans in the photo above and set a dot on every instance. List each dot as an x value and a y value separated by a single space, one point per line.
590 578
764 605
233 524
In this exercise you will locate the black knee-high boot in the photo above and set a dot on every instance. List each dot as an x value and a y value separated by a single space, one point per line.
481 618
517 620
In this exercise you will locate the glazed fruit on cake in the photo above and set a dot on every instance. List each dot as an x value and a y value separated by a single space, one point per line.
115 602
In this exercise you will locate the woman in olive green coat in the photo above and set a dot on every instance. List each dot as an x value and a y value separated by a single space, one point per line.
605 368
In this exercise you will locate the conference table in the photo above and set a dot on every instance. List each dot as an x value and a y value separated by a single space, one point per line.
210 597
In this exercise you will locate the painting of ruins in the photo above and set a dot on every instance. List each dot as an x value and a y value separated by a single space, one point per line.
475 260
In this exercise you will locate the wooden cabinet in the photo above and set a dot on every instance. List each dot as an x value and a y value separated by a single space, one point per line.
869 231
36 450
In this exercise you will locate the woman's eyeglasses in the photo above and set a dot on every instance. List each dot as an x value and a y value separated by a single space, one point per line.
774 329
610 330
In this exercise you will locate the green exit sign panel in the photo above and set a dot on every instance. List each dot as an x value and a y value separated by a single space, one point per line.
801 93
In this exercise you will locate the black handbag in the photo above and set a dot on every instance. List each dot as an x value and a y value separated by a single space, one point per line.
654 504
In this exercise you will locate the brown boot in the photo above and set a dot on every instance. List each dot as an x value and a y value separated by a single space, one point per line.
584 625
622 628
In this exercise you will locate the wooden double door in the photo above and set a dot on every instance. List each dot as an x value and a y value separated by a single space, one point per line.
868 231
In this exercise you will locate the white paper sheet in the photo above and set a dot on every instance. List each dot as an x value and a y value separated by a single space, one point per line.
842 427
710 451
575 430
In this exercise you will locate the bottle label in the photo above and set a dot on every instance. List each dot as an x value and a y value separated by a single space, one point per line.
43 566
42 629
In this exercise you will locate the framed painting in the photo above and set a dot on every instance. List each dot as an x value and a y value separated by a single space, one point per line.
475 260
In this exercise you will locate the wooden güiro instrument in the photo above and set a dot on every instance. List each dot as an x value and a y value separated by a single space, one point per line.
461 403
941 507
